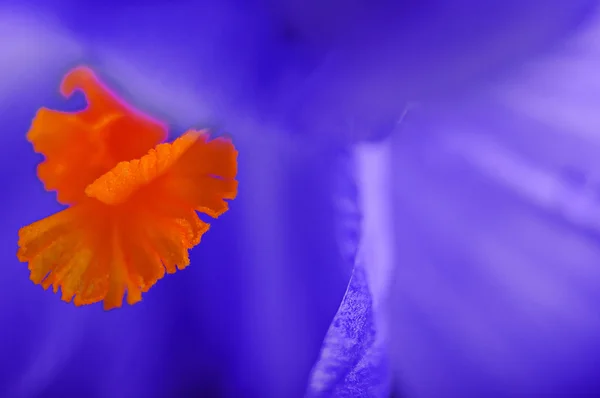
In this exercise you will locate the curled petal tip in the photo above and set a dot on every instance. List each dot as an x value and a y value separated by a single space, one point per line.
78 78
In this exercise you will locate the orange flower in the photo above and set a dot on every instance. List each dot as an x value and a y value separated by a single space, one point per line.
131 217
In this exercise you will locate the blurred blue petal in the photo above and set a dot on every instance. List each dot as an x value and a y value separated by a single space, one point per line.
329 70
496 208
352 362
354 358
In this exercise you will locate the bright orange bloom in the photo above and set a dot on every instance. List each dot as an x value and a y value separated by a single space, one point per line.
133 207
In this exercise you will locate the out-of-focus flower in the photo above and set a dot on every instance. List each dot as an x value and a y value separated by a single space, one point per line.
253 315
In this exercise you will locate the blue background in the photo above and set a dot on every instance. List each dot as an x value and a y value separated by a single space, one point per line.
298 84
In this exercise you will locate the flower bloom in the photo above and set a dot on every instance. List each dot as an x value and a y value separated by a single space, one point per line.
132 202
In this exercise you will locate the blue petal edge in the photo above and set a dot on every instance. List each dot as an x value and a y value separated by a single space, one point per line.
353 359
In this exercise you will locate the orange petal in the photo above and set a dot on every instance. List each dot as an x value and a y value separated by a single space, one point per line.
138 222
93 252
81 146
192 173
117 185
59 249
79 251
171 239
